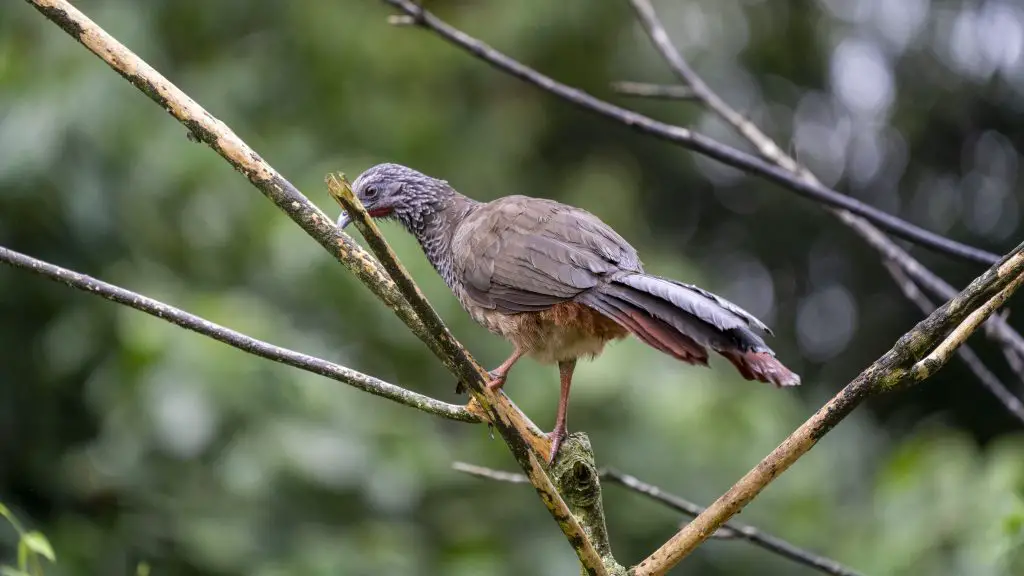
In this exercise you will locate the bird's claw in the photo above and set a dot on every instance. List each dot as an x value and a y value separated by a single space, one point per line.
557 436
497 380
494 383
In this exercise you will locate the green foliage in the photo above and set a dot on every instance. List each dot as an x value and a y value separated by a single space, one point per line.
32 546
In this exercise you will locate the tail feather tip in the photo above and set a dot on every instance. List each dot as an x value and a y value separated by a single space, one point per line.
763 367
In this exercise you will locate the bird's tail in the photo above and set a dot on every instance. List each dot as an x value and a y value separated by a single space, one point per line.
683 321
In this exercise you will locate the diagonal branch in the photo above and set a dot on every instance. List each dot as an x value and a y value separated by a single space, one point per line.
521 436
698 142
729 530
1003 394
236 339
933 340
997 329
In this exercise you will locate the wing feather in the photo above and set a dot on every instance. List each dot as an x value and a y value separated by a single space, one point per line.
521 254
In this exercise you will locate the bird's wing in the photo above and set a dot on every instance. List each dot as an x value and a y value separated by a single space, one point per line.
520 254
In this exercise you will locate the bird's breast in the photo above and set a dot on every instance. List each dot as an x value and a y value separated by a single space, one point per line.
565 331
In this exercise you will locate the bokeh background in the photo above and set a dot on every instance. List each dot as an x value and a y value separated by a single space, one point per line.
127 440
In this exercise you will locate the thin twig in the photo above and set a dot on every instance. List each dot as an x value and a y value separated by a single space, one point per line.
654 91
521 436
987 378
490 473
729 530
235 339
735 529
695 141
896 369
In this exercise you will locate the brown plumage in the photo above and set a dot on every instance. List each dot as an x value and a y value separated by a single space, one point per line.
558 283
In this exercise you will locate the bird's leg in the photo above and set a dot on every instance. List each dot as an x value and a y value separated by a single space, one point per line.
499 374
557 436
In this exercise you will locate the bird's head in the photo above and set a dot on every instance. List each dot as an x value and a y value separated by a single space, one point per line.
393 191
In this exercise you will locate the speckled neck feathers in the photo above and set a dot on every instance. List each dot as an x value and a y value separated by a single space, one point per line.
434 223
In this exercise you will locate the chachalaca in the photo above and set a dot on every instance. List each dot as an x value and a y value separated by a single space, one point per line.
558 283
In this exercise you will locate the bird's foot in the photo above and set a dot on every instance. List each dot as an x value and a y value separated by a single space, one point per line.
557 436
494 383
497 380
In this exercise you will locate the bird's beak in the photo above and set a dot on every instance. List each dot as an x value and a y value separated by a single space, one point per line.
344 219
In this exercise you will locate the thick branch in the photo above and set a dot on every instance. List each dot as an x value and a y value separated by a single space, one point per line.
694 141
932 339
237 339
522 438
1003 394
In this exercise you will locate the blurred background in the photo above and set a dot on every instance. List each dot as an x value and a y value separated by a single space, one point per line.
127 440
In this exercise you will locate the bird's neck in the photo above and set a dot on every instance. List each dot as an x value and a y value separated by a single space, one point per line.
435 229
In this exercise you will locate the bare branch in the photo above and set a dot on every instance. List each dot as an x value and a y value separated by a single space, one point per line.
1003 394
941 331
996 328
490 473
938 357
522 437
654 91
698 142
237 339
727 531
732 529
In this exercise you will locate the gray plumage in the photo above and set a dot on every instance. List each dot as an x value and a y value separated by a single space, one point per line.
518 255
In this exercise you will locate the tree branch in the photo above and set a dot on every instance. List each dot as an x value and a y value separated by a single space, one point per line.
996 328
522 438
237 340
932 339
1003 394
698 142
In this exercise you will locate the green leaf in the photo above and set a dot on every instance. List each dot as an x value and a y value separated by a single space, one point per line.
8 571
6 513
39 544
22 555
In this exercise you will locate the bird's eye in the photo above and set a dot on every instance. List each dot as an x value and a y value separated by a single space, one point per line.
370 193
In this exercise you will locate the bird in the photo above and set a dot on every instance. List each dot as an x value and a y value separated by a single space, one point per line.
558 283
